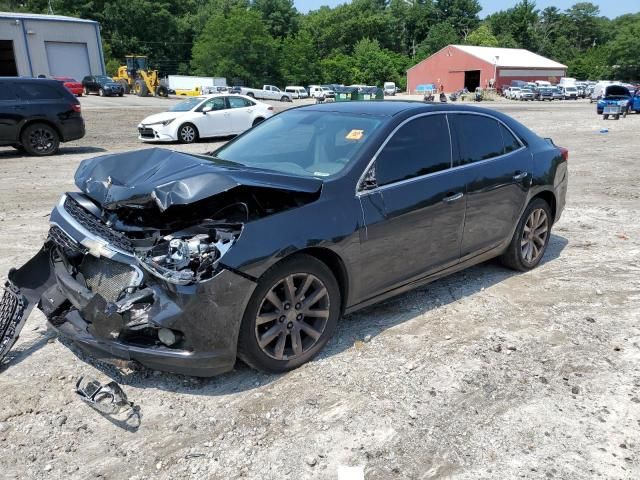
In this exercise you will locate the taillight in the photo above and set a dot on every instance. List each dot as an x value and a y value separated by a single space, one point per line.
564 152
75 107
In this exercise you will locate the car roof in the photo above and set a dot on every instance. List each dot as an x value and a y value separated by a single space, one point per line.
390 108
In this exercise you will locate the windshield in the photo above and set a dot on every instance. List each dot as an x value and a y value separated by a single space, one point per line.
187 105
104 79
302 142
570 89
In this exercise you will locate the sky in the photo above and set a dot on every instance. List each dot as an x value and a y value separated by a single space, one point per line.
609 8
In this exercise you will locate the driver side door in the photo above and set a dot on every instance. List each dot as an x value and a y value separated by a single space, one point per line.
212 118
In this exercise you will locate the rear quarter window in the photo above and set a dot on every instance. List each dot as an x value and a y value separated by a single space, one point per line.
35 91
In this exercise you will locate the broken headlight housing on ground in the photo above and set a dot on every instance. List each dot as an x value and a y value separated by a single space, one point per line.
189 256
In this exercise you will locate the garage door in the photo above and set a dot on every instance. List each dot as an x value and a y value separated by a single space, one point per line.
68 59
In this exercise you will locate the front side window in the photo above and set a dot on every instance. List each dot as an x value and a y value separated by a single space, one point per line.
479 138
216 103
419 147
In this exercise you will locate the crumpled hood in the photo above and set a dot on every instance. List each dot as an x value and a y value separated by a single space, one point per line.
166 178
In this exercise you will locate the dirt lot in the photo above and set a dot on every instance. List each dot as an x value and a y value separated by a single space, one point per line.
485 374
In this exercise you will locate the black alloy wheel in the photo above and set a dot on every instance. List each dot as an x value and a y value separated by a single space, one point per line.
291 316
40 140
530 240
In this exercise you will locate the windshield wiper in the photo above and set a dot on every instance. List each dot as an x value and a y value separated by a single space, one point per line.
211 158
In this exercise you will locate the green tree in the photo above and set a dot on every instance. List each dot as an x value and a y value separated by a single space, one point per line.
338 68
237 47
439 36
375 65
280 16
299 64
461 14
623 52
482 37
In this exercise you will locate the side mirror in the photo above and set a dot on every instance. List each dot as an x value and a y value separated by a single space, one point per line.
207 109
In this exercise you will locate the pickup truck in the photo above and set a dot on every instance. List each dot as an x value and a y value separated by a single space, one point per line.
268 92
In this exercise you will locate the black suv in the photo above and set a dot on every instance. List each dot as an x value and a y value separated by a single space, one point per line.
37 114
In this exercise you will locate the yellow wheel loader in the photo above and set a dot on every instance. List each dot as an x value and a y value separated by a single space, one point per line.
137 78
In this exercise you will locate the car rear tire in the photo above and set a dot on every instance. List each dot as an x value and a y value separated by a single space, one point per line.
530 240
291 316
187 133
40 139
251 94
121 93
86 91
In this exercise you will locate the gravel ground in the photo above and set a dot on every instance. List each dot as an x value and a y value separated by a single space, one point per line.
484 374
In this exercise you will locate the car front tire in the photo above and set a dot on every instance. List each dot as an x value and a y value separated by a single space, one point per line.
101 92
187 133
530 240
291 316
40 140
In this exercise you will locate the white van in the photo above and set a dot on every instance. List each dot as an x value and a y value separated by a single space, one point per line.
567 82
542 83
321 93
297 92
389 88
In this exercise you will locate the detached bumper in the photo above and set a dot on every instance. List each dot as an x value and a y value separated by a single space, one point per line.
206 317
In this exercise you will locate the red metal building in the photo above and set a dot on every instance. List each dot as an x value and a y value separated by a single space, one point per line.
458 66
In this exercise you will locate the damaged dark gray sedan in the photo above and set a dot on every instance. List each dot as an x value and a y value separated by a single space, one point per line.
185 262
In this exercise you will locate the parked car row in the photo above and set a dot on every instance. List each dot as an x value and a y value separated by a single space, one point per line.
541 93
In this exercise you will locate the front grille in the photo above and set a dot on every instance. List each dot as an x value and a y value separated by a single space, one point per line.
106 277
147 132
97 226
64 241
12 308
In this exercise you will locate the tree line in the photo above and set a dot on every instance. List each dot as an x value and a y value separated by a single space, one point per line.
365 41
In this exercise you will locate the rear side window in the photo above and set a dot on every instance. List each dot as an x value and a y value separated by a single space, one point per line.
511 143
420 147
237 102
479 138
38 91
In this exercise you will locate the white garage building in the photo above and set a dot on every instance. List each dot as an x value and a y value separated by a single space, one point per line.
51 45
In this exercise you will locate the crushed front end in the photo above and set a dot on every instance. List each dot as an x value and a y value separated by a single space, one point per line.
163 300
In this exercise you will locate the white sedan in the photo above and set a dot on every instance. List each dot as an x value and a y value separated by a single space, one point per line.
204 116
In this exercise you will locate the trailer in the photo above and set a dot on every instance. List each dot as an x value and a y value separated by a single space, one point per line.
188 82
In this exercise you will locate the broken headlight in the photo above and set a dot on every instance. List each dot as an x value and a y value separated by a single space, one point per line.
189 256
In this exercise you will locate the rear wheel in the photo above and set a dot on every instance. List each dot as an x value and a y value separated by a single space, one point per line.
531 237
291 316
251 94
86 91
40 139
187 133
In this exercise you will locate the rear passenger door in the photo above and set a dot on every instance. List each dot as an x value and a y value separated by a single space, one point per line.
241 113
497 168
414 211
11 113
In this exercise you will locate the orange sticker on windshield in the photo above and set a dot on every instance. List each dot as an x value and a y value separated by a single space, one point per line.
355 135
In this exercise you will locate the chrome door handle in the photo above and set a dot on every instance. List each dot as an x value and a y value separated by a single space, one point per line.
453 197
520 176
